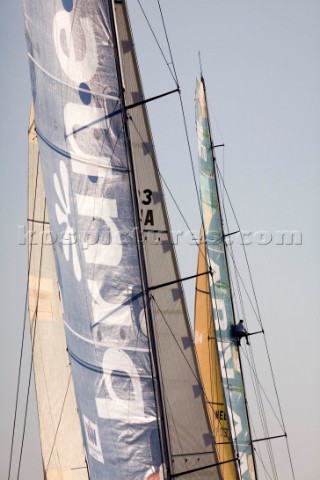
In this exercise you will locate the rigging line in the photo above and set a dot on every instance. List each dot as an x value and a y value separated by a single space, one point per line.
229 251
50 410
33 334
157 41
264 392
256 386
260 321
191 160
183 115
258 446
262 463
59 422
237 273
245 253
263 421
168 43
259 318
24 326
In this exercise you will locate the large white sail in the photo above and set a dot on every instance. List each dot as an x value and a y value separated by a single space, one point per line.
136 383
63 455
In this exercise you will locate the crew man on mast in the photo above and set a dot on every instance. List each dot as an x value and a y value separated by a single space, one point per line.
240 331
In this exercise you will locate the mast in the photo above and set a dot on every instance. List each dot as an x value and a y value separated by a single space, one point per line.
223 308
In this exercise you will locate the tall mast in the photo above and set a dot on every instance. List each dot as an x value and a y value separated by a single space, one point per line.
214 233
143 270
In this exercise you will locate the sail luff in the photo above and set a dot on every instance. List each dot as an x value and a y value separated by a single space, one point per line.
223 318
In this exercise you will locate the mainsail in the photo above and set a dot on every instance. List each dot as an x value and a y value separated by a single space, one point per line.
133 366
220 316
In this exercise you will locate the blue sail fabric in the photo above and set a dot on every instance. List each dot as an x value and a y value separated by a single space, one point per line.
85 169
223 320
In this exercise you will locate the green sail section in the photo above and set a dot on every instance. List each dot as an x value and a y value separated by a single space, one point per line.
223 317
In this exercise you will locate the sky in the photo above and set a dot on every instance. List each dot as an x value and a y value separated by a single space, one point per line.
261 62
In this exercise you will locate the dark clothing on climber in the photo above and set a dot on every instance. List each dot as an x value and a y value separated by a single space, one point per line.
240 331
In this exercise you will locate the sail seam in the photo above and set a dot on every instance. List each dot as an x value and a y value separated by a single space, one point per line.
78 89
65 154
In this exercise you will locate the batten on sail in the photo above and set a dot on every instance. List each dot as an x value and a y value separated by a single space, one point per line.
188 428
60 434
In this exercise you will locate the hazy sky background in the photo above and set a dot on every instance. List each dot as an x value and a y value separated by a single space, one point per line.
261 61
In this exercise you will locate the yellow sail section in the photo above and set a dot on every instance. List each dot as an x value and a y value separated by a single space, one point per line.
206 347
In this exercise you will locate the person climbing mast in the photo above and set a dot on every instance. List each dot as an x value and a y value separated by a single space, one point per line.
240 331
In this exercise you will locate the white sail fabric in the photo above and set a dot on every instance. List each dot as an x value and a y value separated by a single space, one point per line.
60 434
79 124
187 423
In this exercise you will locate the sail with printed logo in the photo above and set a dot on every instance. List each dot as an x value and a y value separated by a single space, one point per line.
216 345
208 357
139 397
63 454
